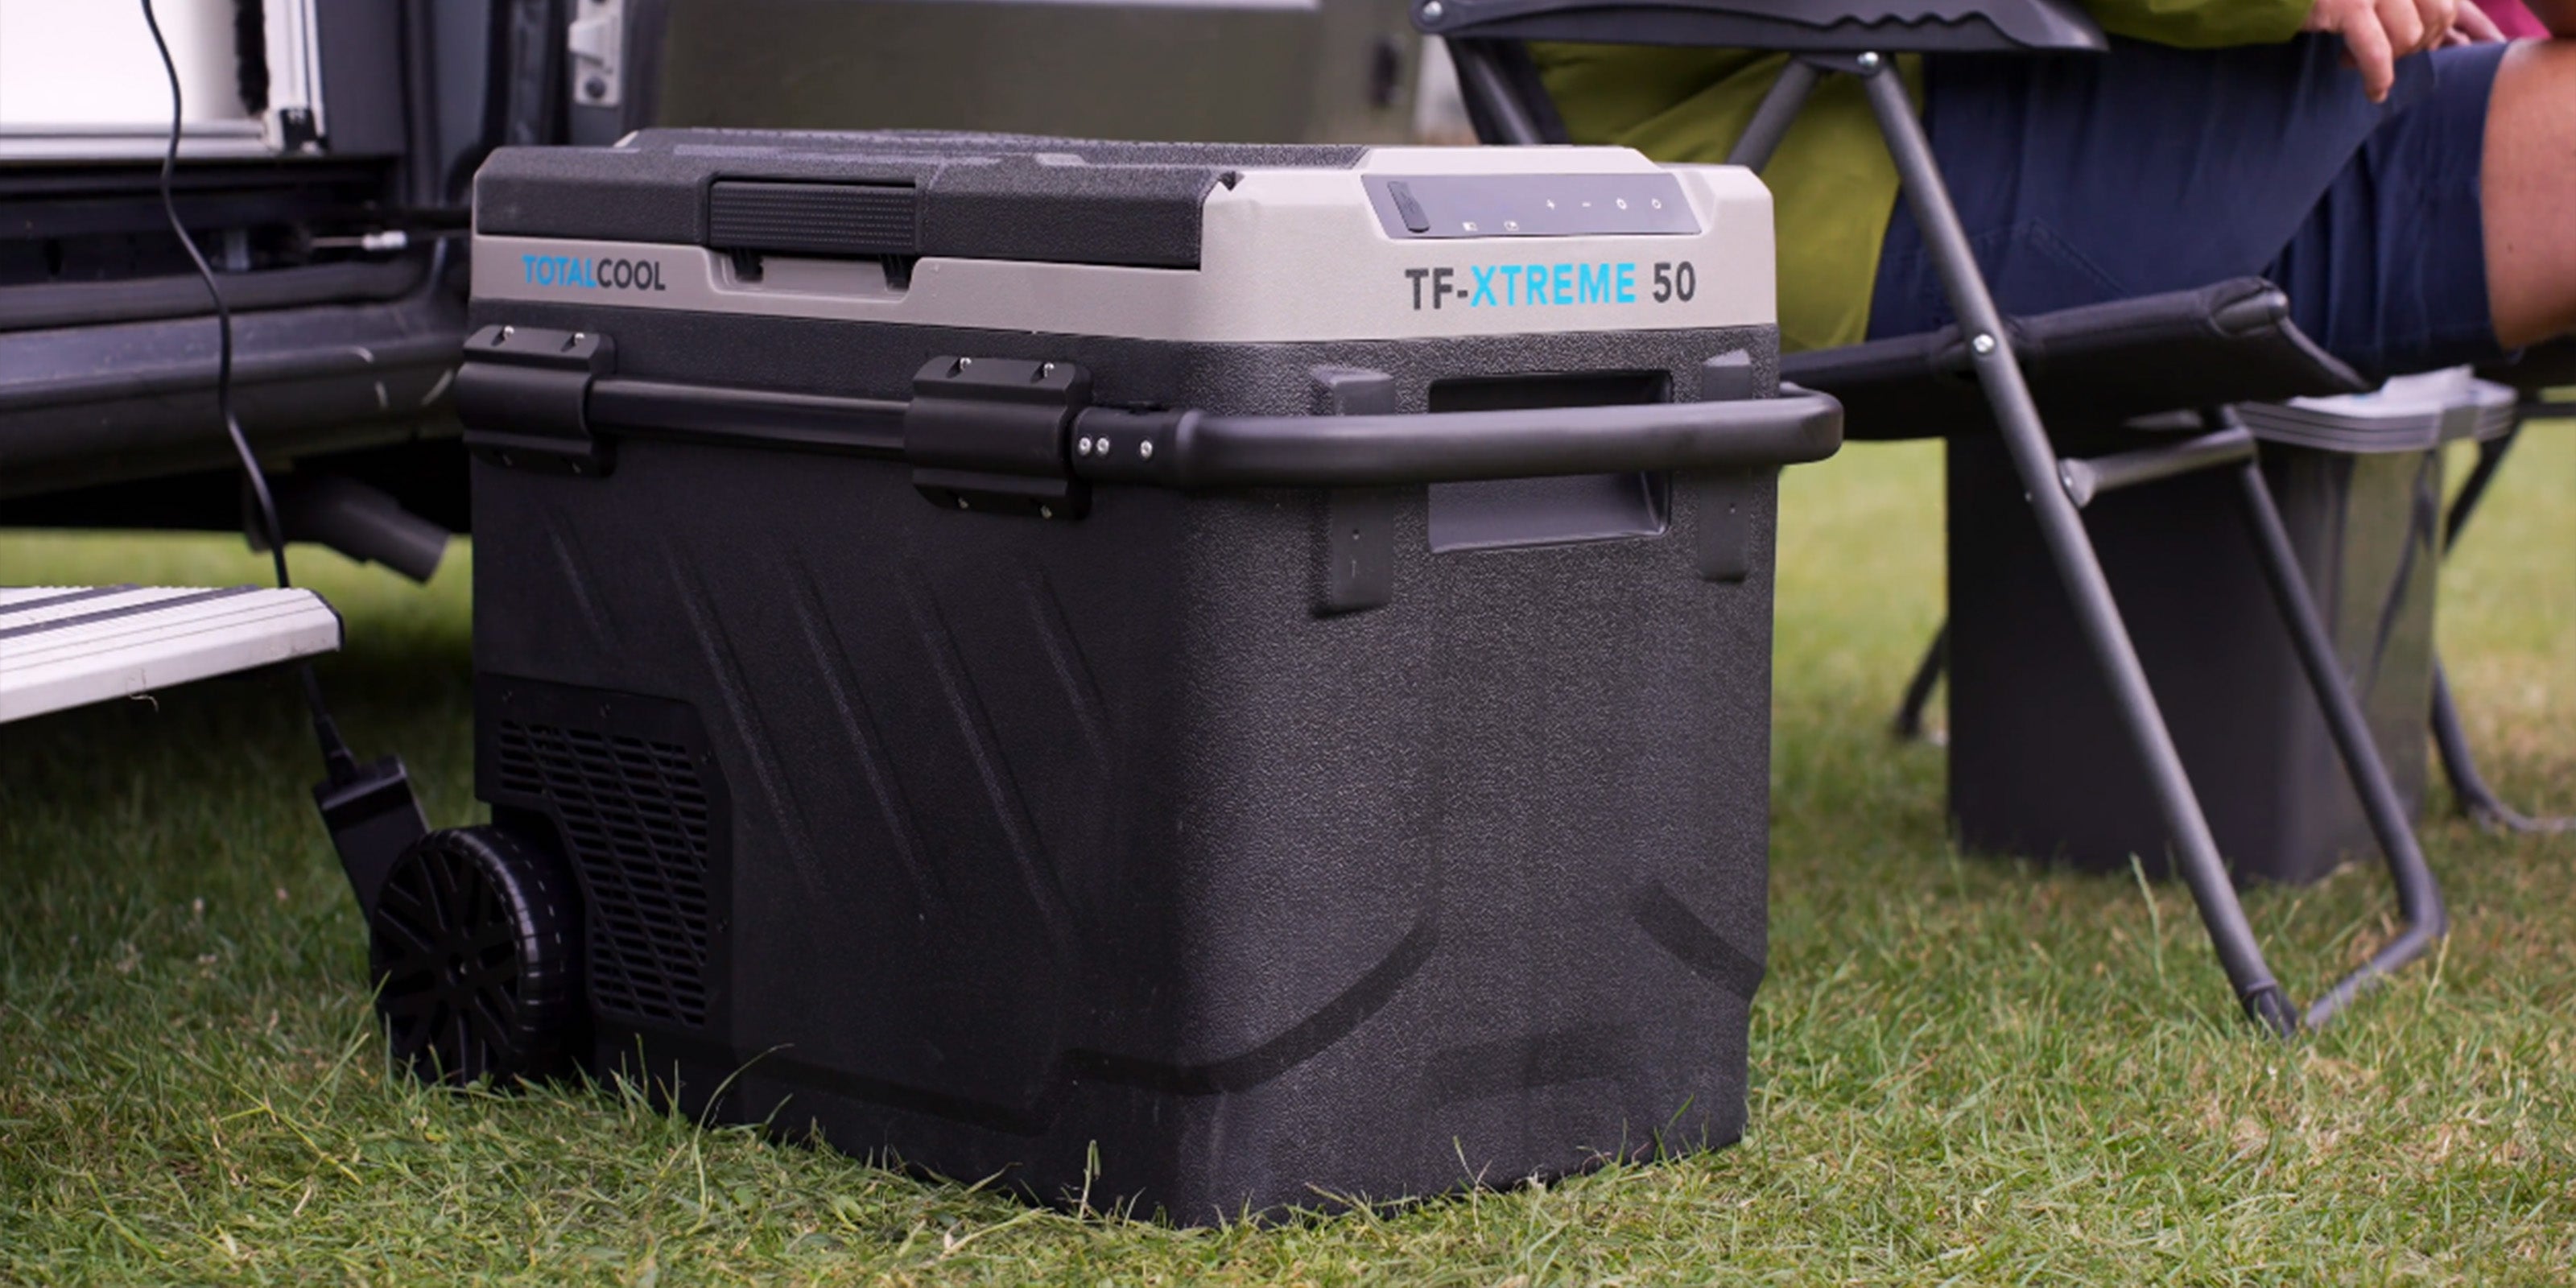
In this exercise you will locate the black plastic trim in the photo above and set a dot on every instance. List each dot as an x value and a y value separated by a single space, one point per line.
424 345
41 305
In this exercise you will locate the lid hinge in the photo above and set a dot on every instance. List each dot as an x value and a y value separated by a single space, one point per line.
991 434
523 395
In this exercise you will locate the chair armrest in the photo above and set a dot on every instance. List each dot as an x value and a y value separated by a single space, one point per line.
2092 368
1803 26
2541 367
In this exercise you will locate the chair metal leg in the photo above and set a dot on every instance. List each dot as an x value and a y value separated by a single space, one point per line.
1918 691
2017 417
2473 489
2419 898
2460 766
2450 739
1773 115
1482 81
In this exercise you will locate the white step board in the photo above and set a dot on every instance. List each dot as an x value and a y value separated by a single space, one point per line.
64 646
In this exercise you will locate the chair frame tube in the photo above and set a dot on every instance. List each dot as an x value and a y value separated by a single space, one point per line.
2017 419
2046 481
2450 737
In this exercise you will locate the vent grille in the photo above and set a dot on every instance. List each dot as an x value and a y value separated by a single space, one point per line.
634 815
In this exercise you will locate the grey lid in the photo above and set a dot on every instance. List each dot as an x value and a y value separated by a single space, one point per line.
2408 414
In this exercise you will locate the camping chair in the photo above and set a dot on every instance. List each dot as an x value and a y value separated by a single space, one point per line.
2535 377
2103 366
2544 377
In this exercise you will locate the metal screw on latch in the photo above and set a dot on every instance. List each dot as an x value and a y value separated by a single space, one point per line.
1146 449
1046 512
1431 11
1045 369
595 87
1868 62
1082 448
506 333
1984 344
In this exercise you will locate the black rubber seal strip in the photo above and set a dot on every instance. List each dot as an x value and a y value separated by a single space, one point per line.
67 597
130 610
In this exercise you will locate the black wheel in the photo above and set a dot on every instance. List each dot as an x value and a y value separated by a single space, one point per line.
473 952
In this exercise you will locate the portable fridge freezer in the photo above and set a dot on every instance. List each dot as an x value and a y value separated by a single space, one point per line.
1214 678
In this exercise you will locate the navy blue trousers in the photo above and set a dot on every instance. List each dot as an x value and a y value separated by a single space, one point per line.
2083 179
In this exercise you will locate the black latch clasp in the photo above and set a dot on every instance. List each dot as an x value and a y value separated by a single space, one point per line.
991 434
523 395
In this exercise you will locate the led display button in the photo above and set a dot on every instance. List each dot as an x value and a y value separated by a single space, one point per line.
1526 205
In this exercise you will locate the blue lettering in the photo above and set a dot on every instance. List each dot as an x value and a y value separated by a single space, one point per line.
1537 277
1511 282
1484 287
1564 280
1596 283
528 266
546 268
1627 283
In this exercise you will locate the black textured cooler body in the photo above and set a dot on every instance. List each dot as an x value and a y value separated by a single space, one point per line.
1207 847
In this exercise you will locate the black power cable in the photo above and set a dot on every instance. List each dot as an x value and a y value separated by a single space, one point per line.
337 761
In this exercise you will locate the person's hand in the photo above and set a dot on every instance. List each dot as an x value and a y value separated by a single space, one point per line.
2376 33
2475 28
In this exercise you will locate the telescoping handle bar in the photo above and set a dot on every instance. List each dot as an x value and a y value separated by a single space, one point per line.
1194 449
1023 436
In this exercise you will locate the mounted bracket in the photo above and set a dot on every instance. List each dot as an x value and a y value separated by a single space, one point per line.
991 434
1358 540
523 394
1723 505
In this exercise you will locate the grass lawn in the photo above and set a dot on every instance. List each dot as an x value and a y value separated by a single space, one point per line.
1963 1069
